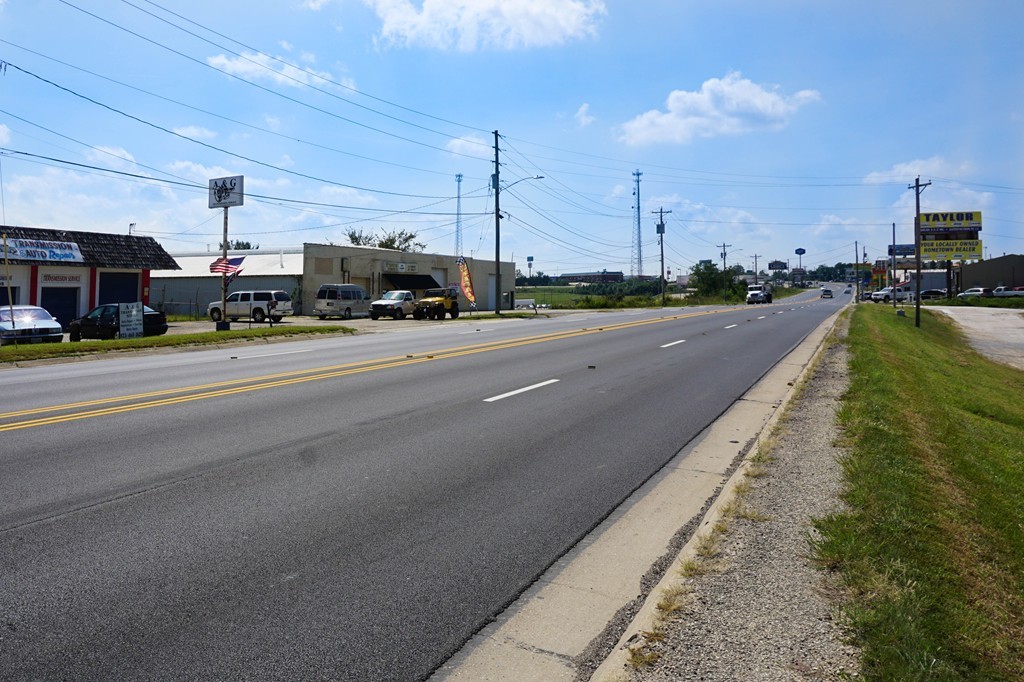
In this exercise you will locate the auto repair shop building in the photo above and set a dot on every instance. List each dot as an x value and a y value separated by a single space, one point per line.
299 271
68 273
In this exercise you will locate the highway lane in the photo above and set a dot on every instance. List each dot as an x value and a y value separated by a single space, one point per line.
341 517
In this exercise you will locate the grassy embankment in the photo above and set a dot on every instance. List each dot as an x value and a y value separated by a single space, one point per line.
931 548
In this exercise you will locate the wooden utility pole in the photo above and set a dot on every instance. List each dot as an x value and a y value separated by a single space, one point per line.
661 243
918 188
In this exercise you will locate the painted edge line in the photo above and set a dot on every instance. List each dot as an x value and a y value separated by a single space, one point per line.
674 343
521 390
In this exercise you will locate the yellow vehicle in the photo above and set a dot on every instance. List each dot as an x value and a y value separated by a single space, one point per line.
436 302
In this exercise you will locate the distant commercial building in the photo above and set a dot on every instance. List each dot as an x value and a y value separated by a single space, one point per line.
1004 271
70 272
601 277
301 270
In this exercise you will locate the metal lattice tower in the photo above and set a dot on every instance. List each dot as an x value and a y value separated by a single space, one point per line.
458 216
636 262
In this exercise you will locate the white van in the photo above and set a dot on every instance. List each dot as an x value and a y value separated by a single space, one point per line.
341 300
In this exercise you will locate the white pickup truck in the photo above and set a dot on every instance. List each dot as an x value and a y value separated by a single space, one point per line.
1008 291
888 293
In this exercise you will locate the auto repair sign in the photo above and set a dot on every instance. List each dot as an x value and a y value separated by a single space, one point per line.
45 251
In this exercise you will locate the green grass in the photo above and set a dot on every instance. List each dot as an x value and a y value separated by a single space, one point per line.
41 351
931 548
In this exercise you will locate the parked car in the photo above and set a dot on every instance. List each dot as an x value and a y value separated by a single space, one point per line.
104 322
826 293
976 292
930 294
257 305
396 304
1008 291
341 300
28 324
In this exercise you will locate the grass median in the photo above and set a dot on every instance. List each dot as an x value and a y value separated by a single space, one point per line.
43 351
931 547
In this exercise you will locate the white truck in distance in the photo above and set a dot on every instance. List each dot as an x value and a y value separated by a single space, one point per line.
1008 291
885 295
759 293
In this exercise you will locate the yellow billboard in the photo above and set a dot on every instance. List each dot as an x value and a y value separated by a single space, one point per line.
951 249
951 221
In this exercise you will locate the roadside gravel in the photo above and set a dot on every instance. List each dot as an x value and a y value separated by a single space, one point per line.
764 611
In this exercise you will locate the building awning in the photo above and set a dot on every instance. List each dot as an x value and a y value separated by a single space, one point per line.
411 282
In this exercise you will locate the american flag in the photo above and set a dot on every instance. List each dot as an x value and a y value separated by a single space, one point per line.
226 265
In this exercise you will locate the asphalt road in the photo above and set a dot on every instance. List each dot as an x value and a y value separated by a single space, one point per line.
342 508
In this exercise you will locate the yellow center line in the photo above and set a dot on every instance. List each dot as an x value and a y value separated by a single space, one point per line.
174 396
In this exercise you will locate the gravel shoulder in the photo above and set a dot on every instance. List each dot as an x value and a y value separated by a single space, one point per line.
758 608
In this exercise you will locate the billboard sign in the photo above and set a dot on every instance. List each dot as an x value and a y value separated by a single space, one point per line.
951 249
954 221
901 249
778 265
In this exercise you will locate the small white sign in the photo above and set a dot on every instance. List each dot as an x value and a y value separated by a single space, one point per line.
130 320
227 191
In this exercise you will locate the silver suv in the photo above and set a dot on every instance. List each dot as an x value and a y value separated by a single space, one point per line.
254 305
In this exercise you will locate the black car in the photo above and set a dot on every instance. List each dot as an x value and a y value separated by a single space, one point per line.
931 294
103 322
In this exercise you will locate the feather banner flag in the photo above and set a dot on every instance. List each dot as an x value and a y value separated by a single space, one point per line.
467 281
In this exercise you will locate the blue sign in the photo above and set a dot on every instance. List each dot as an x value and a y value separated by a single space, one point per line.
901 249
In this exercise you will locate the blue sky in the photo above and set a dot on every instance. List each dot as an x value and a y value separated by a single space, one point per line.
764 126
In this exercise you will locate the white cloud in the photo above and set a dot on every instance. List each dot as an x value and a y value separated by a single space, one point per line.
936 166
315 5
259 66
471 145
5 132
196 132
732 105
583 117
466 25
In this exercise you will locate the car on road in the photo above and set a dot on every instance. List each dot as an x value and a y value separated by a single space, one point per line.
395 304
826 293
104 322
976 292
28 324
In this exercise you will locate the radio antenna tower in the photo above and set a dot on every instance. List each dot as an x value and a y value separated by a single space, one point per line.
636 263
458 216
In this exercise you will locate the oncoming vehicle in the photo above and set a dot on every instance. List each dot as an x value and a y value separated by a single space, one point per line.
395 304
341 300
759 293
254 305
826 293
29 324
436 302
104 322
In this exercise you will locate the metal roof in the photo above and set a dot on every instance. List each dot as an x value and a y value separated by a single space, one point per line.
262 262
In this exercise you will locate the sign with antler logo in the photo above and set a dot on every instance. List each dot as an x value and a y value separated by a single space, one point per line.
226 192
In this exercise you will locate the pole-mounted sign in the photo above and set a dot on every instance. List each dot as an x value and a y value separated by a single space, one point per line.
225 192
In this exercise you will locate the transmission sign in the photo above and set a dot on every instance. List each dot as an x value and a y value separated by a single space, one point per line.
951 249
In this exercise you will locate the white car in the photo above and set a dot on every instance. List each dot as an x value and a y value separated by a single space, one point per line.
28 324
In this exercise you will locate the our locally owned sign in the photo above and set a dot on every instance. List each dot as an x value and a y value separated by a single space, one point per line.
46 251
951 249
953 221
